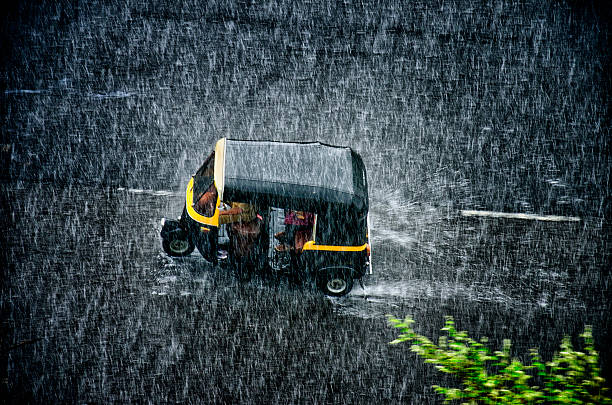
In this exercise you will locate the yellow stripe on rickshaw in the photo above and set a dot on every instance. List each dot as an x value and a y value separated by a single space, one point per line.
310 245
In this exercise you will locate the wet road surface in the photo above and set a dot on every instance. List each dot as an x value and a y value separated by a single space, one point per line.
99 312
108 107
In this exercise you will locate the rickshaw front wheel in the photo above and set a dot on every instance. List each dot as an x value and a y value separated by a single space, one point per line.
178 247
335 282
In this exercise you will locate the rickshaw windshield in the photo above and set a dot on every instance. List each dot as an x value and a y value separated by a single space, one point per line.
204 191
208 167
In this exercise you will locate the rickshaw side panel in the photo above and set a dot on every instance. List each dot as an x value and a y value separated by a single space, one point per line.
316 260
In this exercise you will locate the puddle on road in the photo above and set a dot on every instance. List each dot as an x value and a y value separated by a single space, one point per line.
384 297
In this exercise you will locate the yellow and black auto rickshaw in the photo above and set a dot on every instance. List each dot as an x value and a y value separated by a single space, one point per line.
285 207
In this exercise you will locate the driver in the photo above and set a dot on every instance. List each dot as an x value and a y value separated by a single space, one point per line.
239 212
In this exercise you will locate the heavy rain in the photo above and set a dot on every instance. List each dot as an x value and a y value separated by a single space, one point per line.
484 129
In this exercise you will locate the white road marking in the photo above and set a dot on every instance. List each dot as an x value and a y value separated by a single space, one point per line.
24 91
159 193
531 217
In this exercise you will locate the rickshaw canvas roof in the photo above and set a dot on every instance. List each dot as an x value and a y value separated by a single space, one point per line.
308 172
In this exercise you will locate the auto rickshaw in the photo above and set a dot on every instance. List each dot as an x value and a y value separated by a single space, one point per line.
275 180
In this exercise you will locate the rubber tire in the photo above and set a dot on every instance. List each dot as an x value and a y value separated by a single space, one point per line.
335 283
177 247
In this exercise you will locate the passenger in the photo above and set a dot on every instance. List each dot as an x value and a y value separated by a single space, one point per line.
298 230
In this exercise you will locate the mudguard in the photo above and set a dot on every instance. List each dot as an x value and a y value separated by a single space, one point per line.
172 229
346 269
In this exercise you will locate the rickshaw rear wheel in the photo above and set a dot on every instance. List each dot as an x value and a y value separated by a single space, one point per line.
335 282
178 247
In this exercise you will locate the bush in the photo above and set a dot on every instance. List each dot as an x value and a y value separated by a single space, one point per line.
571 377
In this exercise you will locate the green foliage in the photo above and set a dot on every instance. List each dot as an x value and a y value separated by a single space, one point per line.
571 377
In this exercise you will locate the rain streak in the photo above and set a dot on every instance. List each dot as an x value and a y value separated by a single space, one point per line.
483 128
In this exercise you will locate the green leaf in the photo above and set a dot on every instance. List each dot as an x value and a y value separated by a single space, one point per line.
570 377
